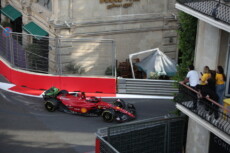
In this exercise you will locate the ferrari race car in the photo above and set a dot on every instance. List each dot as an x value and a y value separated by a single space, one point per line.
78 103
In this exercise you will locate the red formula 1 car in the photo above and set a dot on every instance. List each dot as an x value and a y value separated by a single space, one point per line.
78 103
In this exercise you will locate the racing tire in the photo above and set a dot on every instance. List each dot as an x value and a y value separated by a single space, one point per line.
51 105
132 111
108 115
47 97
120 104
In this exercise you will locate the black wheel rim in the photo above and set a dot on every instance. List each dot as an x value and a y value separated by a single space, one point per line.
107 116
49 106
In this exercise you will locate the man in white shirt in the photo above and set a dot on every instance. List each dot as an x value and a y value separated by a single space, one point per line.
192 77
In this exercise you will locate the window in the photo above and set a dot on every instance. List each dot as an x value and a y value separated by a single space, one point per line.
227 89
45 3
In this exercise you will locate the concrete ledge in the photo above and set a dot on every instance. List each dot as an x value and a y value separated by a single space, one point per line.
204 123
203 17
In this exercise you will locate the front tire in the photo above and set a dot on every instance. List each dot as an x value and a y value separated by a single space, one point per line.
51 105
132 111
108 115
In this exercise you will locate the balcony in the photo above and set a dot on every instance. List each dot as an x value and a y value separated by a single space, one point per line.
204 111
211 11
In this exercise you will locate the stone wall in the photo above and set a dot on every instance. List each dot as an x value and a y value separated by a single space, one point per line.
134 25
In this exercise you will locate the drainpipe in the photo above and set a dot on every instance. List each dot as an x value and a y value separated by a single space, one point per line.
70 9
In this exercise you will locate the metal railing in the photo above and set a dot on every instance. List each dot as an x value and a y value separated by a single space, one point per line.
156 135
146 87
206 108
105 146
213 8
59 56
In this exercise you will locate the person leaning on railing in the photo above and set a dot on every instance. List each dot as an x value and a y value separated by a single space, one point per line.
192 77
205 75
209 91
220 83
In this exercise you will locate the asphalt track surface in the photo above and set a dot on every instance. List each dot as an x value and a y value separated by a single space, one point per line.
26 127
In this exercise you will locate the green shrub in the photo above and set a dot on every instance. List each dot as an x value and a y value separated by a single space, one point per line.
72 68
187 41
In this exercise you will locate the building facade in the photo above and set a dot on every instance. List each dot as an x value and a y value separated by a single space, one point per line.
134 25
212 49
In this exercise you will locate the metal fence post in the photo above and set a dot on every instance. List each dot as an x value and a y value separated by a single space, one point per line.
11 50
167 137
58 58
114 64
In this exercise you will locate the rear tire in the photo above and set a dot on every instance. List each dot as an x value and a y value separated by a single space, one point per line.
108 115
51 105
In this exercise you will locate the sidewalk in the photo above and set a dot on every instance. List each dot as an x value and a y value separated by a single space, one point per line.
38 93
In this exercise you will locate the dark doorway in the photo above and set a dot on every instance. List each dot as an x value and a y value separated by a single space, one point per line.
16 25
42 53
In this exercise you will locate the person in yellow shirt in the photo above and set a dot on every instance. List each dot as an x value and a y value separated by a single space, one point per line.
205 75
220 83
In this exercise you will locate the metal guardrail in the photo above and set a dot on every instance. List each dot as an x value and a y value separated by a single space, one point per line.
206 108
146 87
156 135
212 8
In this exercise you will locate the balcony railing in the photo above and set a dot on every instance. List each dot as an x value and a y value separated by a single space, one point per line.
212 8
206 108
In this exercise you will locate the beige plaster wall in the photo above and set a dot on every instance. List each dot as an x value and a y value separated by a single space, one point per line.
84 10
128 43
144 25
87 9
223 52
197 138
207 46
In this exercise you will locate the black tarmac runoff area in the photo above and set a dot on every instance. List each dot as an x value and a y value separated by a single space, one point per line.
27 127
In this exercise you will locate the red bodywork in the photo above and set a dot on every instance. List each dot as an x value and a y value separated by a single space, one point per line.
83 104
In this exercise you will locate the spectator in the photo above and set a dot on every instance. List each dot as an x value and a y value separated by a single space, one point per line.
220 83
205 75
192 77
209 91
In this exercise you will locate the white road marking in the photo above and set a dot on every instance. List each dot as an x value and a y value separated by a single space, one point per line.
7 86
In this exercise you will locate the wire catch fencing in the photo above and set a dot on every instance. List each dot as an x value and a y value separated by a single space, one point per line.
59 56
157 135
